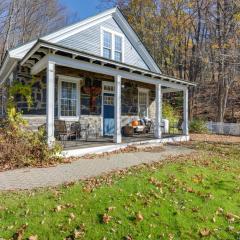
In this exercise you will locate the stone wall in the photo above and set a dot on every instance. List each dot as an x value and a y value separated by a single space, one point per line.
38 84
36 114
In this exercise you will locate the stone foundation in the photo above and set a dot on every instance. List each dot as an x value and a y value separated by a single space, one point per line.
35 121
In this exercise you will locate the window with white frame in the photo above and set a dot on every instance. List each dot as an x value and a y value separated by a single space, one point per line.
107 44
118 49
143 102
68 97
112 45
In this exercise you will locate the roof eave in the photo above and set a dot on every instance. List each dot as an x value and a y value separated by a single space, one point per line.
72 51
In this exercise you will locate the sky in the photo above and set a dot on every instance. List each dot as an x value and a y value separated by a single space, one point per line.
84 8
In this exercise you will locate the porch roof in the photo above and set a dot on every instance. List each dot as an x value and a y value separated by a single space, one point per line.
43 49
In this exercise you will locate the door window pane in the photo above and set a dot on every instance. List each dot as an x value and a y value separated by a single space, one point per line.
108 100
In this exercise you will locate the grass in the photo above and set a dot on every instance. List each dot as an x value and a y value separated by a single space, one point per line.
190 197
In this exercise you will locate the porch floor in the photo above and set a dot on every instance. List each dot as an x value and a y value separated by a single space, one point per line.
107 141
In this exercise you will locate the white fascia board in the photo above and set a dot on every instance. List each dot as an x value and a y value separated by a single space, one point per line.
63 33
78 27
5 63
9 70
77 64
20 52
134 39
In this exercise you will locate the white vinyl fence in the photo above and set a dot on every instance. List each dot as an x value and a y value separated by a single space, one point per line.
224 128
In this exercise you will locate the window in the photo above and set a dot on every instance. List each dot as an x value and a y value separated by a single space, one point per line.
118 49
112 45
143 102
109 88
108 100
68 97
107 45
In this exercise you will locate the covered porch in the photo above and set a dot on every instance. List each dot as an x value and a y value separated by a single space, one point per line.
66 68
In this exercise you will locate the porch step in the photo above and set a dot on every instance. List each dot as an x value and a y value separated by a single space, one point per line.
115 147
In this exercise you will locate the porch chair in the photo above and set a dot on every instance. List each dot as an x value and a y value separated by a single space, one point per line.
62 133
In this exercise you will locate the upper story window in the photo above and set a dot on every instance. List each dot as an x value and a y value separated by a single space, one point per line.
107 45
112 45
118 49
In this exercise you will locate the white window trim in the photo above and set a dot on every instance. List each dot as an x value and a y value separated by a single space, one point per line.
144 90
63 78
114 33
105 83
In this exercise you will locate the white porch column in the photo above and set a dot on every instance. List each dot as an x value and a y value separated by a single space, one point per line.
185 112
50 102
158 118
117 110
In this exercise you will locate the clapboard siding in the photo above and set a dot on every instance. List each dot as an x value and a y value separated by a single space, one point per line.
89 40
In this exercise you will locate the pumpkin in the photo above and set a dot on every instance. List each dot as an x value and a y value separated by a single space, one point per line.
134 123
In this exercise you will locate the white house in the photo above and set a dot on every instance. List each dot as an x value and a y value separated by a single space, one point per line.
96 70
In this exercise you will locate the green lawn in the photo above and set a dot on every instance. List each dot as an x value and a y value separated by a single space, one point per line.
186 198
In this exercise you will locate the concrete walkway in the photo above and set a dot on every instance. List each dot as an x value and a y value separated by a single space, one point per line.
30 178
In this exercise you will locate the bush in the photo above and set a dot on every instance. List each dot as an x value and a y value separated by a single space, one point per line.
171 114
198 126
20 147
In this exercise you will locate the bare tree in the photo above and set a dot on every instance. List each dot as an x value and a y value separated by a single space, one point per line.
24 20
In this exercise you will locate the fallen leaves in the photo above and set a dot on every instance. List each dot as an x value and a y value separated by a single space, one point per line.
204 232
59 208
139 217
20 232
78 233
110 209
155 182
34 237
72 216
128 237
106 218
231 217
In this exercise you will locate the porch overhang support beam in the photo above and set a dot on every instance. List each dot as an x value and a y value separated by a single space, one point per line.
117 109
170 90
158 118
87 66
50 102
40 66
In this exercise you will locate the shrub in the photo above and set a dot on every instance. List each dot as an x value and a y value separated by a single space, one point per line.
170 113
20 147
198 126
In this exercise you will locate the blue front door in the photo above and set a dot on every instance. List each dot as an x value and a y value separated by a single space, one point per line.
108 114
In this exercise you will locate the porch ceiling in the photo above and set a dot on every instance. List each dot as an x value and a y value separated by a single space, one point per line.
44 52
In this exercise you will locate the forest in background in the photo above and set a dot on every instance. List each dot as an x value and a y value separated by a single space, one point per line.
195 40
